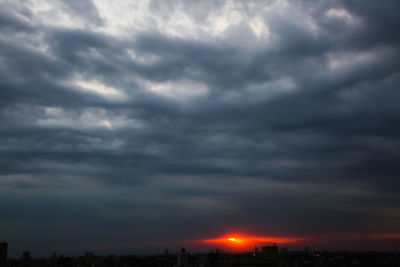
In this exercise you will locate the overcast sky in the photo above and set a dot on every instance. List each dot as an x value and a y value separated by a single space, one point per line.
135 125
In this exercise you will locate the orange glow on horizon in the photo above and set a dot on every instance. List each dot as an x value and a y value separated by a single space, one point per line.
238 242
247 241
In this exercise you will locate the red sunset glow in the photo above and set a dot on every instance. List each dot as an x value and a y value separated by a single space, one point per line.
240 241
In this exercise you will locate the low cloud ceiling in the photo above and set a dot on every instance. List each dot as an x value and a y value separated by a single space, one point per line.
125 124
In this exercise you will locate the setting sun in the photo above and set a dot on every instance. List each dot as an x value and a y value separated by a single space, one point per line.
240 241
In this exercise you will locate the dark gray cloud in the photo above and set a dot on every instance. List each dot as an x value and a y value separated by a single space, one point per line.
124 133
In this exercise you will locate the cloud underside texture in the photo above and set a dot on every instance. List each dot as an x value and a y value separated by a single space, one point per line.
127 125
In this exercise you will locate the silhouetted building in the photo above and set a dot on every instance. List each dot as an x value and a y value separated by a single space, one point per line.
3 254
267 258
284 252
270 252
90 259
26 255
183 258
270 255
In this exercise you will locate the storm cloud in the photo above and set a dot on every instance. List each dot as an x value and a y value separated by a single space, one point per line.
138 124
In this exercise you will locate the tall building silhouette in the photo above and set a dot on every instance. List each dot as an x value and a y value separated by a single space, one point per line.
3 254
183 258
26 255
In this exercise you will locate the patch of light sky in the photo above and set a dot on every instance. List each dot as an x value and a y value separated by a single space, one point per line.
105 91
338 61
340 13
51 13
89 118
125 18
178 90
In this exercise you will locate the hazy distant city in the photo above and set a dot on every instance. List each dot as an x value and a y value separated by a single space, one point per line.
267 256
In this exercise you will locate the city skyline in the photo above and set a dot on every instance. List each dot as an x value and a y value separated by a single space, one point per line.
132 126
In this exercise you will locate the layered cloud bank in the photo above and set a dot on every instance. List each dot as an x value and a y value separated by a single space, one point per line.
129 122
